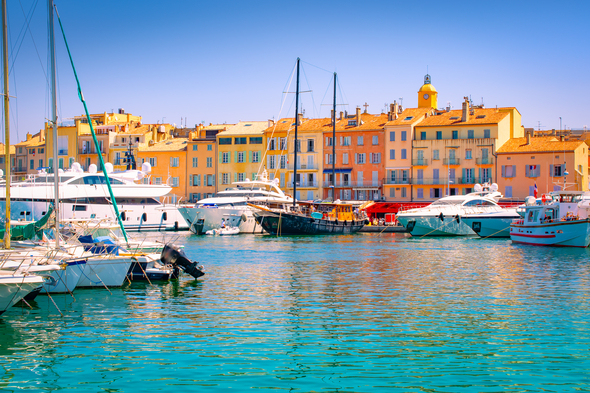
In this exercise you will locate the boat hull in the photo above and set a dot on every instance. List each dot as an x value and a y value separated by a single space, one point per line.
101 271
293 224
490 227
242 218
434 226
15 288
65 281
560 234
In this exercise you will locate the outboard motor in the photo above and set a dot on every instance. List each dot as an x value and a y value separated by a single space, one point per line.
174 255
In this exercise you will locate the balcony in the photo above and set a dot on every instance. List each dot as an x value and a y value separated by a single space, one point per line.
420 162
484 161
451 161
365 183
431 181
339 184
313 166
304 184
396 181
19 169
62 152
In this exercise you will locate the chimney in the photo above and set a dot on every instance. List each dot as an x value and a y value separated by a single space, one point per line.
553 132
271 123
358 116
42 135
395 110
528 138
465 115
341 115
300 118
562 138
29 136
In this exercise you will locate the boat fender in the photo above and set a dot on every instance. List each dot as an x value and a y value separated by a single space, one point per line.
244 218
442 218
336 222
458 219
176 225
367 221
345 223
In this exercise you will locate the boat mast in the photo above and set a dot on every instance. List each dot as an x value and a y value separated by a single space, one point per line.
6 125
54 118
295 148
334 143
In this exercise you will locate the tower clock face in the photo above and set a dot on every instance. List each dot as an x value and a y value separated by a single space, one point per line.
426 96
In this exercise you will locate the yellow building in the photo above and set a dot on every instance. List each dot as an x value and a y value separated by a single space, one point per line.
169 165
454 149
240 152
130 136
202 160
276 155
427 95
29 155
67 143
542 161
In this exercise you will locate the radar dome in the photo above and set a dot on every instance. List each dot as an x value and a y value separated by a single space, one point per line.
494 187
108 167
92 168
146 167
477 187
530 200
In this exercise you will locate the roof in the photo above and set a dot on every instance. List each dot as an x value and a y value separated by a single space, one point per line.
480 116
427 87
12 149
538 145
173 144
244 128
33 142
414 113
368 122
218 126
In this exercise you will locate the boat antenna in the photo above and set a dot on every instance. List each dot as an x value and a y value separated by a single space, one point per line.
295 144
100 160
6 125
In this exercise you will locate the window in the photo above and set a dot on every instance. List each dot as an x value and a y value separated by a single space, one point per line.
352 122
240 156
31 151
455 134
175 181
195 147
41 150
435 155
241 176
329 141
423 135
408 118
209 147
391 136
225 141
62 145
486 175
298 145
225 178
174 162
329 159
360 158
375 140
157 181
508 192
468 176
255 156
310 145
420 193
392 154
375 158
283 162
468 154
439 135
271 162
195 162
345 158
346 141
256 140
225 158
210 180
32 164
209 162
557 170
403 135
241 141
404 191
470 134
508 170
486 133
283 143
404 156
196 180
392 192
360 141
153 161
40 163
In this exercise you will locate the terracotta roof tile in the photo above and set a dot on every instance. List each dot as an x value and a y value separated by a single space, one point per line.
414 113
538 144
245 128
174 144
453 118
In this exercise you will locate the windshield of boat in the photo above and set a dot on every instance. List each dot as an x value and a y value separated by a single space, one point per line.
446 202
479 202
48 179
236 194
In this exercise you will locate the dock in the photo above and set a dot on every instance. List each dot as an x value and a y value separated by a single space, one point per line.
383 228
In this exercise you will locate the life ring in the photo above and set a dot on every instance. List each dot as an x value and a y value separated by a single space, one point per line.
545 198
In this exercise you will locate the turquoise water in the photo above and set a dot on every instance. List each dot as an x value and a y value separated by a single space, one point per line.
360 313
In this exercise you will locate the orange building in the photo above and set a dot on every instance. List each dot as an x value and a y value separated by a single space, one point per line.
169 165
542 161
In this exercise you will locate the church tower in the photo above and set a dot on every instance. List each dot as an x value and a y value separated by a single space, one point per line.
427 95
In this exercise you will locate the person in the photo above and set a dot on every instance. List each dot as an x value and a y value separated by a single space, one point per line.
223 223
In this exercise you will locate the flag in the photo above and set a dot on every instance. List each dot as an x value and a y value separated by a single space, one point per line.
536 190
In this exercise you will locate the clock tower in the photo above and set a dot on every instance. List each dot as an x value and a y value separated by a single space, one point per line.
427 95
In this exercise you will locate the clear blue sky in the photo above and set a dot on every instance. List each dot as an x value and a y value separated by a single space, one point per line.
225 61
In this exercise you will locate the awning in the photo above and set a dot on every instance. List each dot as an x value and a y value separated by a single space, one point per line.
338 170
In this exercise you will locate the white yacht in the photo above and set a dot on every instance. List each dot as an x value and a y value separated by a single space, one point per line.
444 216
84 195
232 206
493 224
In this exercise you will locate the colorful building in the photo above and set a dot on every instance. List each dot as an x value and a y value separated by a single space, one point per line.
542 161
202 157
29 155
240 152
276 155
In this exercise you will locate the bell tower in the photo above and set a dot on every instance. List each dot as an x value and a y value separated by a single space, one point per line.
427 95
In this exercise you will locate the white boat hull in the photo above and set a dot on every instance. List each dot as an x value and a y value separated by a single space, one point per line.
434 226
242 218
14 288
64 281
491 225
560 233
105 270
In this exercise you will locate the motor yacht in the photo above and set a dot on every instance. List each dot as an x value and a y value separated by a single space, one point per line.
84 195
231 206
444 216
560 218
495 224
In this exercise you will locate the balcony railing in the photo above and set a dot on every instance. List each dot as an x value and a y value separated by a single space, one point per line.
396 181
305 166
19 169
446 180
451 161
304 184
484 161
420 161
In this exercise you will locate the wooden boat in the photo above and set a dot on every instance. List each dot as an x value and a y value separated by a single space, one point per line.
309 218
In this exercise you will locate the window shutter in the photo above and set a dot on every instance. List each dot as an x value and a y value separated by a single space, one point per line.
356 158
463 176
341 140
190 180
327 158
213 179
513 170
220 157
236 176
432 192
370 158
527 171
562 169
198 180
268 162
250 156
479 175
378 158
551 170
503 170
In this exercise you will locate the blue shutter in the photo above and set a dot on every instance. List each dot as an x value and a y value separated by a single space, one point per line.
213 177
503 170
527 171
513 170
432 192
463 179
479 175
551 170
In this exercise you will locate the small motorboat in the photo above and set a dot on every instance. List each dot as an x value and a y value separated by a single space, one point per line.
224 231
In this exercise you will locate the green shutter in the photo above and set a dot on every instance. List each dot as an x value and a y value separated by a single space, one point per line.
235 176
236 154
249 156
220 157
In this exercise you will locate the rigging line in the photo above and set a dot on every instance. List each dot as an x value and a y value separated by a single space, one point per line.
343 97
309 87
23 32
34 44
320 68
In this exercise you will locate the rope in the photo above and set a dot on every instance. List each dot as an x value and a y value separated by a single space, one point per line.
494 233
436 229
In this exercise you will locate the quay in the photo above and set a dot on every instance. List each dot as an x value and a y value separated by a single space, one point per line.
383 229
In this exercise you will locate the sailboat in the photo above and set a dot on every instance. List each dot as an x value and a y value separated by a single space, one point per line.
310 218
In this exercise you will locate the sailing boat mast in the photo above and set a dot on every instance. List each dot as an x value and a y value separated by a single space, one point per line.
334 143
6 124
54 118
295 147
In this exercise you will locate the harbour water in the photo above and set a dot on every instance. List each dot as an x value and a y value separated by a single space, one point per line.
363 313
